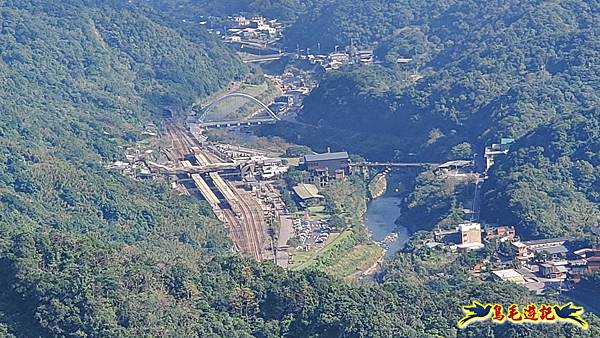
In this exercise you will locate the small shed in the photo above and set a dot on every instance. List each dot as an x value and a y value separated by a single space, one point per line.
509 275
307 192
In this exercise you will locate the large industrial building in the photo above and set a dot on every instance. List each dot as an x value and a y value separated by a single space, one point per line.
326 167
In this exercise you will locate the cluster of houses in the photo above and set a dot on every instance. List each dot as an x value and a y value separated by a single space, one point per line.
134 168
134 165
295 86
336 59
238 28
550 262
535 264
557 258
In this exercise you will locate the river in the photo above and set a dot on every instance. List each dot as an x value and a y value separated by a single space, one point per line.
380 217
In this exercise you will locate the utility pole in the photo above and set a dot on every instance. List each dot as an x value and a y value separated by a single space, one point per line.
274 244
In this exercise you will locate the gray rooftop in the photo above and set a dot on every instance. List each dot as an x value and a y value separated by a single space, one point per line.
307 191
342 155
456 163
559 249
547 241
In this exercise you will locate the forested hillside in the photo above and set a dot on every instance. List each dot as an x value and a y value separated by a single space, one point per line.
78 79
480 70
517 69
328 22
550 183
362 23
285 10
87 253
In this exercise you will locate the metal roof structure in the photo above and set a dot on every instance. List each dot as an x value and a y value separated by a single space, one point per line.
553 250
456 164
509 275
558 241
342 155
307 191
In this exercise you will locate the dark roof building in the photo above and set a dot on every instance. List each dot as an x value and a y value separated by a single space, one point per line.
593 263
342 155
285 99
331 161
554 250
326 167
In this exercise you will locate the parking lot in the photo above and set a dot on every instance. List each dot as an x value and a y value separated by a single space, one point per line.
310 233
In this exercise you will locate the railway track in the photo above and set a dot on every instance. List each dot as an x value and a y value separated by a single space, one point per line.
180 141
235 229
250 227
245 222
251 224
255 228
239 231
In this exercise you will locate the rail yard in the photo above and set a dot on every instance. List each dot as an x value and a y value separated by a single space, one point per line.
239 209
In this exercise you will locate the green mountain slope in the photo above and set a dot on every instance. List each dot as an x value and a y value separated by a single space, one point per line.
87 253
486 69
79 79
286 10
550 183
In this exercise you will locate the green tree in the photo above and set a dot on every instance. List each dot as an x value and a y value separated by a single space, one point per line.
461 151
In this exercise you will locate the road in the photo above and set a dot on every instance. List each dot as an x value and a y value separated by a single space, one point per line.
263 58
286 230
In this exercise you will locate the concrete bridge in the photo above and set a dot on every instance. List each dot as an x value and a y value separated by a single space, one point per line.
263 58
241 44
235 123
244 168
393 164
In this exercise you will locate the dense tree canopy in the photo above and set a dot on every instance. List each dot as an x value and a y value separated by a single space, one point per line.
78 80
479 71
286 10
550 182
85 252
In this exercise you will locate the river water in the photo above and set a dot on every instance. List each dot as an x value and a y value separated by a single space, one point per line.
380 217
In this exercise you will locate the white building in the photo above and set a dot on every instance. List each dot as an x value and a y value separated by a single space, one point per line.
509 275
470 236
